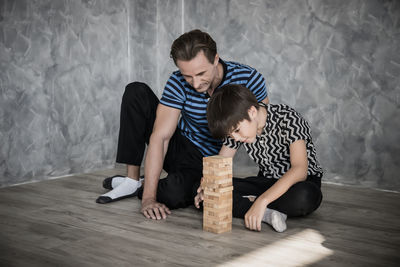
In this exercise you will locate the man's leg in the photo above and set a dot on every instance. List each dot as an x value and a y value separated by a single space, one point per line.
184 165
114 181
138 112
177 190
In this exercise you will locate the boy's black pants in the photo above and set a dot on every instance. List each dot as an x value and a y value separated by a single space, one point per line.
301 199
183 162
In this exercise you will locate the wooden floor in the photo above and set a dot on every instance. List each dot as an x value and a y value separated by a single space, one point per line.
58 223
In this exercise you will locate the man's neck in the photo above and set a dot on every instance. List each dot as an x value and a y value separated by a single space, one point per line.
217 80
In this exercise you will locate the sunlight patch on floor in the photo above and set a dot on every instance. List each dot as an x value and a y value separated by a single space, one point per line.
299 249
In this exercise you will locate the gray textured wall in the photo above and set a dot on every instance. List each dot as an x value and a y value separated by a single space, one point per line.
337 62
63 66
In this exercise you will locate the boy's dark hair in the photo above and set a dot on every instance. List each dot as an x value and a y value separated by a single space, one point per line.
189 44
228 106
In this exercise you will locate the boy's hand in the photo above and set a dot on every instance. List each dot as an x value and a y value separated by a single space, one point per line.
253 217
199 197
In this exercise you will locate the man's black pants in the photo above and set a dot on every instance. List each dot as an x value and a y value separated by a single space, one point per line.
183 162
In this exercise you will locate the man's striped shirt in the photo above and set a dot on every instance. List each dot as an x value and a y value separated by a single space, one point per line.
193 105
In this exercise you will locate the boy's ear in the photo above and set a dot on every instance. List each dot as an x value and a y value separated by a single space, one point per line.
252 112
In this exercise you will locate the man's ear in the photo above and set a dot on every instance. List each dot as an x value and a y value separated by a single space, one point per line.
252 112
216 59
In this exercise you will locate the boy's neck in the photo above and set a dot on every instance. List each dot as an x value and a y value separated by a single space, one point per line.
261 119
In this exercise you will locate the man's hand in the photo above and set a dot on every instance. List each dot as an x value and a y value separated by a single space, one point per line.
254 215
152 209
199 197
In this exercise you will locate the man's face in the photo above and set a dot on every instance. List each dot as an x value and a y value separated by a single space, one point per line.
199 72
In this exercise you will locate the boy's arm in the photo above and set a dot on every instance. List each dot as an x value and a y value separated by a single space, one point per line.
227 151
296 173
163 129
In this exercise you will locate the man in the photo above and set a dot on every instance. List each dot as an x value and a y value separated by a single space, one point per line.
175 128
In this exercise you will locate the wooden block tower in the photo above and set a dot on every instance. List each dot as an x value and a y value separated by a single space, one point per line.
217 186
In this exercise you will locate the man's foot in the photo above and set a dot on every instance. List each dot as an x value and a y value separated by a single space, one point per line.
114 181
128 188
276 219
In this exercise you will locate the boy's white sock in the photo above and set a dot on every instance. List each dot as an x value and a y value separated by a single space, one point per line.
276 219
127 188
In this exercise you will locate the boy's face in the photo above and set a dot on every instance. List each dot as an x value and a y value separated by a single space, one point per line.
199 72
246 131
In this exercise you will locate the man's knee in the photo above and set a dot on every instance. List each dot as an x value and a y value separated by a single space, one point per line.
174 199
136 90
176 191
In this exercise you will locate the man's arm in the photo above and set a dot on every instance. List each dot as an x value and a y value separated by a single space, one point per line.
296 173
265 100
163 129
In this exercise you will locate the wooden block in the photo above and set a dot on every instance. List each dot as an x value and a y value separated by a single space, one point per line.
218 230
222 206
219 209
219 180
214 221
227 196
213 184
217 158
213 213
216 178
217 225
217 186
216 172
217 191
225 217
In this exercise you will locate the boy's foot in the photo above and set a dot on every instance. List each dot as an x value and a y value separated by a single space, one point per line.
128 188
276 219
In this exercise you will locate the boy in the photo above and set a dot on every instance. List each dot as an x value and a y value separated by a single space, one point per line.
279 140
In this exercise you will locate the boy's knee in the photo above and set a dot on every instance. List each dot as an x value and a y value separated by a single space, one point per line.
306 199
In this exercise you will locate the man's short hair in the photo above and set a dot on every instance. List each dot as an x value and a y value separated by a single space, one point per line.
189 44
228 106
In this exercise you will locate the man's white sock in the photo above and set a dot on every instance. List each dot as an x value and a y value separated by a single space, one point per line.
127 188
116 181
276 219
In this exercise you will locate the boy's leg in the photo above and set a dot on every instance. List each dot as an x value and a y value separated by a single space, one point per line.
297 201
301 199
243 189
138 112
244 193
